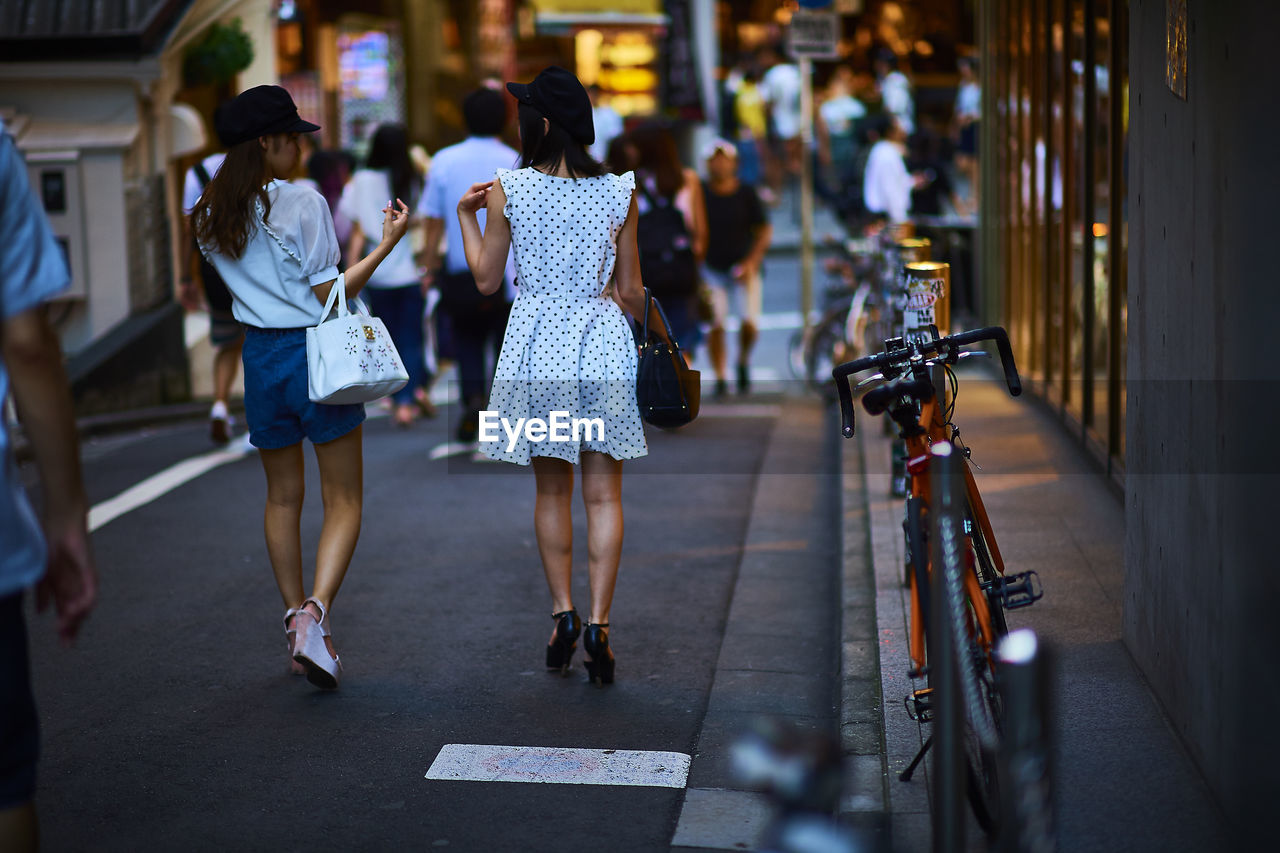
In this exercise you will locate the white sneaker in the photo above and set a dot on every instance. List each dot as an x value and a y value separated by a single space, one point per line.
220 422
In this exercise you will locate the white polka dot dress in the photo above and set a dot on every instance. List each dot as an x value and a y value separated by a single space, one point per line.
568 347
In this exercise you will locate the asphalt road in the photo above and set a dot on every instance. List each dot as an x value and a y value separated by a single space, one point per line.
173 724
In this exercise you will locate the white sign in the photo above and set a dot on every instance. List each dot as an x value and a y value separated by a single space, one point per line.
814 34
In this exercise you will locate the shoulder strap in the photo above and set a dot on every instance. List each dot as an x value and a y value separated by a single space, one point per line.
202 174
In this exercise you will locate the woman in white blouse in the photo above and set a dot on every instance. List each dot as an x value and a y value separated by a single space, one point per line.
274 245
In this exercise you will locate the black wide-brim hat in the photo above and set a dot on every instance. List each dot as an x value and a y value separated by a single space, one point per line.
559 96
260 111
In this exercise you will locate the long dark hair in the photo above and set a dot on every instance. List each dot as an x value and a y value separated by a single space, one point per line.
224 214
389 151
657 154
553 146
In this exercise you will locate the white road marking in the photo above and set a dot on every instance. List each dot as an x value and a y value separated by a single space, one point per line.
166 481
461 762
451 448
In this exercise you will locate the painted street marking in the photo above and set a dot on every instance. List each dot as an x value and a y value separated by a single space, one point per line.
451 448
166 481
461 762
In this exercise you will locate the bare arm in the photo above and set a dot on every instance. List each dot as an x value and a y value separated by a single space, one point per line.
698 215
486 251
432 232
755 257
395 222
34 359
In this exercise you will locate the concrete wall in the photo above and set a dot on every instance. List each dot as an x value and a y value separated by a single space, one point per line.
1202 581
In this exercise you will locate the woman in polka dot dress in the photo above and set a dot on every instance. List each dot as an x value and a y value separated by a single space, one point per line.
568 347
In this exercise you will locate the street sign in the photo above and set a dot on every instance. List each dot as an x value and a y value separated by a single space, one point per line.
814 34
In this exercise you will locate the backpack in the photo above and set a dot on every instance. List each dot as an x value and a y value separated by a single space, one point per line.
667 264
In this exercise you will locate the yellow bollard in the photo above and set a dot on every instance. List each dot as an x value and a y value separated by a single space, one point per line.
928 285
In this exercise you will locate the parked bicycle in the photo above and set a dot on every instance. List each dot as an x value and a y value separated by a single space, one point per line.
861 308
916 387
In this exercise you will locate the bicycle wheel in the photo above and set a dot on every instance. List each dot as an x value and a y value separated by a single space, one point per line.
825 350
979 703
795 355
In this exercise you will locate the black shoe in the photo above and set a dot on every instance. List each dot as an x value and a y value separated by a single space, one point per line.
595 642
722 389
744 379
469 428
560 650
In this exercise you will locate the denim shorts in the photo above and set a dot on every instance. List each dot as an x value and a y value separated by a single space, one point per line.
276 406
19 730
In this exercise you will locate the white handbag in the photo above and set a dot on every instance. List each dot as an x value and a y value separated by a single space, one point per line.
350 358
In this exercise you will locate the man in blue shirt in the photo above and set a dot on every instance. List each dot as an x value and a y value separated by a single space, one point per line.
477 322
33 270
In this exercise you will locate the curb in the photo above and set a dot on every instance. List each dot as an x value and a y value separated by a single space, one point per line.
861 700
113 422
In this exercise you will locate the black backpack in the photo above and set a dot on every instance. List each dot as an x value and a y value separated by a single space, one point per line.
667 264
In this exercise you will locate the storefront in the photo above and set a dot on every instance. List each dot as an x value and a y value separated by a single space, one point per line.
641 53
1054 204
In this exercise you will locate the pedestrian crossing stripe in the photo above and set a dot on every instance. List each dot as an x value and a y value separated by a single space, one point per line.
462 762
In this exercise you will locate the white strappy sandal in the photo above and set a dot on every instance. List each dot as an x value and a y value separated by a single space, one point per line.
291 634
309 649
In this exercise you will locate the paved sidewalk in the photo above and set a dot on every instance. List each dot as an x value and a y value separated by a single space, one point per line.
1124 782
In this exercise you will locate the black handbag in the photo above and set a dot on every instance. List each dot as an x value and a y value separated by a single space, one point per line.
666 389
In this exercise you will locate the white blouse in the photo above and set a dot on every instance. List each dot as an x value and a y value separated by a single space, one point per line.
288 253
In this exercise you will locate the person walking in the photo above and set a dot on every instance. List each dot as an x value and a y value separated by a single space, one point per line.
225 334
476 322
887 185
274 245
672 230
395 288
738 235
57 560
568 348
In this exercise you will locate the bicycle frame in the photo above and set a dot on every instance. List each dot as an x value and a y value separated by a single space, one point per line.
933 430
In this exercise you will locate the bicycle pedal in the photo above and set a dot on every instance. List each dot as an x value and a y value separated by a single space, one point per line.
1020 590
919 705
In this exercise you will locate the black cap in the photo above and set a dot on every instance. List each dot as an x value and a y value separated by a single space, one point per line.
559 96
260 111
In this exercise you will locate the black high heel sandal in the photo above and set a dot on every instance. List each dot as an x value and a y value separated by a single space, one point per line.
560 650
595 642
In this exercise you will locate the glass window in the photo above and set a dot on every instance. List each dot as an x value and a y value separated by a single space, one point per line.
1099 335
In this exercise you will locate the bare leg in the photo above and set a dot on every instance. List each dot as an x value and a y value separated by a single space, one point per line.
19 831
716 348
746 340
553 524
225 363
282 518
342 487
602 497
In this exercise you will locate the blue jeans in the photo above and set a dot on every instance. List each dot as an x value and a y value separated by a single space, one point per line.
401 309
277 407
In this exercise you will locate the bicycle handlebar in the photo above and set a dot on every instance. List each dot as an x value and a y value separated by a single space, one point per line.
947 347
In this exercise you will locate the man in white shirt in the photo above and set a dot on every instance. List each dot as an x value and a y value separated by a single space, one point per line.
895 90
607 122
886 185
780 87
225 334
476 323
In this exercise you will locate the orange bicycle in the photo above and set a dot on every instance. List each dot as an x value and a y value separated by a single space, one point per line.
916 387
